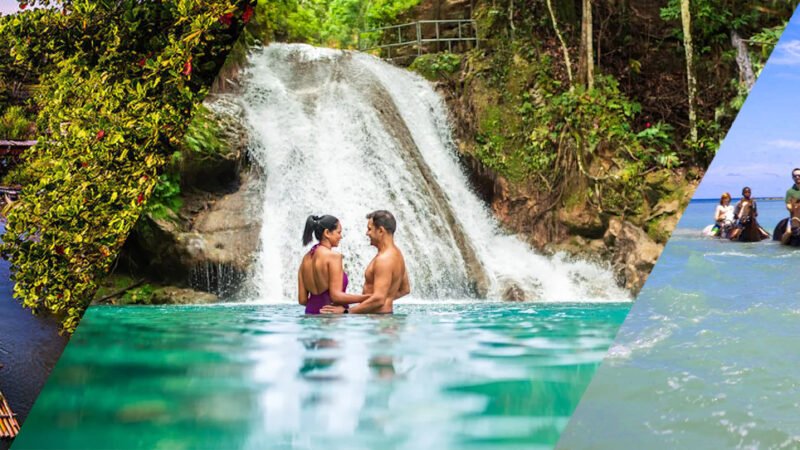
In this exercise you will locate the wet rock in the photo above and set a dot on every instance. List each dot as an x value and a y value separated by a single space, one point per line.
172 295
583 222
228 231
634 253
210 247
514 293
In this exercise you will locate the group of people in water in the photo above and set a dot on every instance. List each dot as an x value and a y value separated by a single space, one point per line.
740 223
321 280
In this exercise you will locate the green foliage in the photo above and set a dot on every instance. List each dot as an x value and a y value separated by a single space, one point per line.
203 134
332 23
119 85
437 66
345 18
767 38
166 198
539 130
291 20
15 124
142 295
712 25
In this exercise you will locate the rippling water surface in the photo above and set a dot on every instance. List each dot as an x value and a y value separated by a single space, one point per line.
445 375
709 355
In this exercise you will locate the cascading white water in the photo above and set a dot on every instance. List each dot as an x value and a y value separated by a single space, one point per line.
344 133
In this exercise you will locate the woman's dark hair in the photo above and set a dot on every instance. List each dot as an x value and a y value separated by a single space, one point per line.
745 189
316 225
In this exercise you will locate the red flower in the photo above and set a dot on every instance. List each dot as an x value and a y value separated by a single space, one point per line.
226 19
247 14
142 62
647 125
84 164
187 67
140 199
100 135
23 6
59 250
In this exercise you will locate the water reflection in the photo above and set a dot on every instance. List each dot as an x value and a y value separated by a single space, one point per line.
469 375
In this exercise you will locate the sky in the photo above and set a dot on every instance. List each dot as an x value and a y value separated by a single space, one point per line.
763 144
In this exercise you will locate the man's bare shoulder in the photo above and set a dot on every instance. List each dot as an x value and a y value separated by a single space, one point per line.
390 256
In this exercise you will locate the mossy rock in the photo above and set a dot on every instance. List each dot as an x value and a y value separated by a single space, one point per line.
437 66
583 221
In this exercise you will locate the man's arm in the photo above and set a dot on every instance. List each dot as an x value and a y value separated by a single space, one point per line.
335 275
381 284
405 286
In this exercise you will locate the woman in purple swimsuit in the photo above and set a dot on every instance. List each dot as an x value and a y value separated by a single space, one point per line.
321 279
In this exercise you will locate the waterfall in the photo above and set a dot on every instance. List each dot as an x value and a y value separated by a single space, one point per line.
345 133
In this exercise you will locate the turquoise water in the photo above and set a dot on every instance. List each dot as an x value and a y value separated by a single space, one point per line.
708 356
460 375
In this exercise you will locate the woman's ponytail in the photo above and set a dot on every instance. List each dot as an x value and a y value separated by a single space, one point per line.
316 225
309 230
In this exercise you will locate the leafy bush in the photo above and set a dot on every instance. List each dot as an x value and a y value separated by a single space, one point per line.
437 66
119 83
333 23
14 124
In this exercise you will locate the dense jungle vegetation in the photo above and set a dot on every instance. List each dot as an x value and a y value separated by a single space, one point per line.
114 87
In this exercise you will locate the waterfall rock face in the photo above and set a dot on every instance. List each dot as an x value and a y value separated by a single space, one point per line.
636 254
211 243
213 250
344 133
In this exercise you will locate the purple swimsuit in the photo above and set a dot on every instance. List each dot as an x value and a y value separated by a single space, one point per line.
317 301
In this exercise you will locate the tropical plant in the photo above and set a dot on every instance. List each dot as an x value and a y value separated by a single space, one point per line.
119 82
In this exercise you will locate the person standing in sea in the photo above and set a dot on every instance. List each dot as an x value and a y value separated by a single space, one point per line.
793 194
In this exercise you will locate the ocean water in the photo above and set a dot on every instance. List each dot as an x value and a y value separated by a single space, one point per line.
465 375
708 356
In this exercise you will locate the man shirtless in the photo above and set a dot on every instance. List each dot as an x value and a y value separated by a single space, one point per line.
386 278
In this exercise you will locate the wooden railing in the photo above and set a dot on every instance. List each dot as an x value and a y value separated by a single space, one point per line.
414 34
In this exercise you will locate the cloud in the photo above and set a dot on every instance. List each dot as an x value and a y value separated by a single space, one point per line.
787 53
785 143
734 175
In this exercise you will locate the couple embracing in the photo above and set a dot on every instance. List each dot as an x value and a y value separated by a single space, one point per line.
321 279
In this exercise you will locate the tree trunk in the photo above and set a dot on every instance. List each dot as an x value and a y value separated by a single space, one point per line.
746 75
686 20
561 39
586 59
511 19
